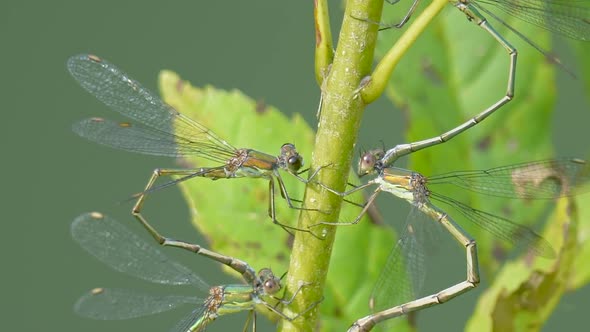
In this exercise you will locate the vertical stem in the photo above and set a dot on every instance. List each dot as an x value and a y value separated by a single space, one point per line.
337 132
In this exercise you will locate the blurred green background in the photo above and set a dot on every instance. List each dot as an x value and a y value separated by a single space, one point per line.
264 48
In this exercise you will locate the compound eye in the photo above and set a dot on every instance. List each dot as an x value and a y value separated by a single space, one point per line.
368 159
271 286
295 162
367 163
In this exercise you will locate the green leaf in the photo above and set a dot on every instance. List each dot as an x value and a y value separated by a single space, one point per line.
580 274
453 72
526 290
232 213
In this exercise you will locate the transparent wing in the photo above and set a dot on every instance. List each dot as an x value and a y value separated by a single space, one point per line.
117 304
179 134
402 277
119 248
196 321
546 179
126 136
570 18
517 235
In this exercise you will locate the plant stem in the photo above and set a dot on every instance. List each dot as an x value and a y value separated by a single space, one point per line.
337 132
385 67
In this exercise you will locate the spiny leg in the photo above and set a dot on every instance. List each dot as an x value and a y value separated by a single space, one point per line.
251 316
365 206
285 194
268 284
290 300
472 280
474 16
310 180
385 26
272 207
235 264
136 211
287 302
313 175
238 265
404 20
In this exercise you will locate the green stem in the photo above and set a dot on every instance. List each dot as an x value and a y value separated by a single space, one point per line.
385 67
337 132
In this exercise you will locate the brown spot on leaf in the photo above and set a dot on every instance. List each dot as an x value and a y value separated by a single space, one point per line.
261 106
430 72
281 257
528 179
318 34
253 245
179 86
484 143
498 252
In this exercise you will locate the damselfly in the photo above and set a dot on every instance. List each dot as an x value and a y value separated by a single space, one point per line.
547 179
161 130
116 246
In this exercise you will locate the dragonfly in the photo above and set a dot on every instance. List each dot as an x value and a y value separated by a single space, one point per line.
119 248
569 18
159 129
546 179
